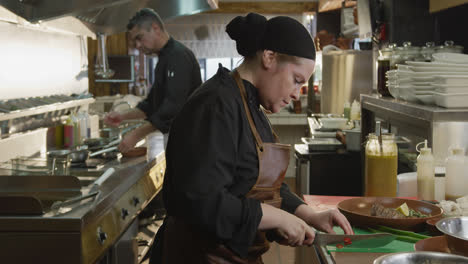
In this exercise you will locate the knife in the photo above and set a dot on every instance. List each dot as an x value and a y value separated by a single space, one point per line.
372 240
323 239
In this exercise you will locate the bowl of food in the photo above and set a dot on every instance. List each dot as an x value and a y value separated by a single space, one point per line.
422 257
455 230
393 212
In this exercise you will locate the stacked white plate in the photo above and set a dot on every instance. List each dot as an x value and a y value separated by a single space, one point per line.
451 90
403 85
443 82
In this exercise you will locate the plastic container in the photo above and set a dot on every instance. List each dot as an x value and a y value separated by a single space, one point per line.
456 182
439 184
347 110
381 163
353 139
407 184
355 111
425 172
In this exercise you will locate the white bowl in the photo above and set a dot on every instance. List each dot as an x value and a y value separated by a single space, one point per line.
451 57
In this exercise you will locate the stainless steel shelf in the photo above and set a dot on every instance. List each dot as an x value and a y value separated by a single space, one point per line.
412 110
45 109
442 127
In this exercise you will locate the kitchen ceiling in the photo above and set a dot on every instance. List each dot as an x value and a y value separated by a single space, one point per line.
103 16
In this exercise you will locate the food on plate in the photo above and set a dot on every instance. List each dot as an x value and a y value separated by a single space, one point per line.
458 208
403 211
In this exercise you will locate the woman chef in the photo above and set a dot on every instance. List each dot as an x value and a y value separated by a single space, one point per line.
223 189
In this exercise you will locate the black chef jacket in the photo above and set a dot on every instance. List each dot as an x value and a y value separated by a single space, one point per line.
212 163
177 74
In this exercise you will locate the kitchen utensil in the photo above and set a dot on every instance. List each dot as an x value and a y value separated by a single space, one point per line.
78 156
378 133
378 240
95 142
420 258
434 244
358 212
96 185
58 204
94 154
455 230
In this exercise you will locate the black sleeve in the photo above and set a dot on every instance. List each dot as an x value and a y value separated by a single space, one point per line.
177 88
202 153
290 200
144 105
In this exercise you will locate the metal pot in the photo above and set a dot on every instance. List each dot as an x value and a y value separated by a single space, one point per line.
420 258
79 156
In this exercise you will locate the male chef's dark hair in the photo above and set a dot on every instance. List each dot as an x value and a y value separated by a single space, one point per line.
281 34
144 18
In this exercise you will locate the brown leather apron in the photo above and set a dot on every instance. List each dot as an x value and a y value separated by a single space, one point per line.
182 242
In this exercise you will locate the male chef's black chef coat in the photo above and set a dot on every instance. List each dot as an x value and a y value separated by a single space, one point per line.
177 74
212 163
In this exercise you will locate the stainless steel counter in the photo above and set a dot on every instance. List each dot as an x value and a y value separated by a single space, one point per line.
442 127
84 234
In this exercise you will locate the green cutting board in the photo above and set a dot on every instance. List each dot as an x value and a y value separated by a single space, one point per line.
366 245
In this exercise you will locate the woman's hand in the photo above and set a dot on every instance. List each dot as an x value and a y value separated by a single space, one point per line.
293 230
325 220
113 119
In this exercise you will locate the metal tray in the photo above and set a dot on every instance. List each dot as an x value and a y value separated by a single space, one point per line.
322 144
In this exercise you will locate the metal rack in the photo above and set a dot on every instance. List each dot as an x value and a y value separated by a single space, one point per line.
442 127
70 105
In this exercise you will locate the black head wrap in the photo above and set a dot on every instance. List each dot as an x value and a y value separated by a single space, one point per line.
281 34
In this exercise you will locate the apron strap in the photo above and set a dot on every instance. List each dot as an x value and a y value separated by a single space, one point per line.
277 139
243 93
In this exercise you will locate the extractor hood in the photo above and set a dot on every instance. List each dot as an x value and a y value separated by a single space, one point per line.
103 16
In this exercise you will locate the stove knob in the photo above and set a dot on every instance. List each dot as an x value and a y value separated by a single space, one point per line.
124 213
135 201
101 236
